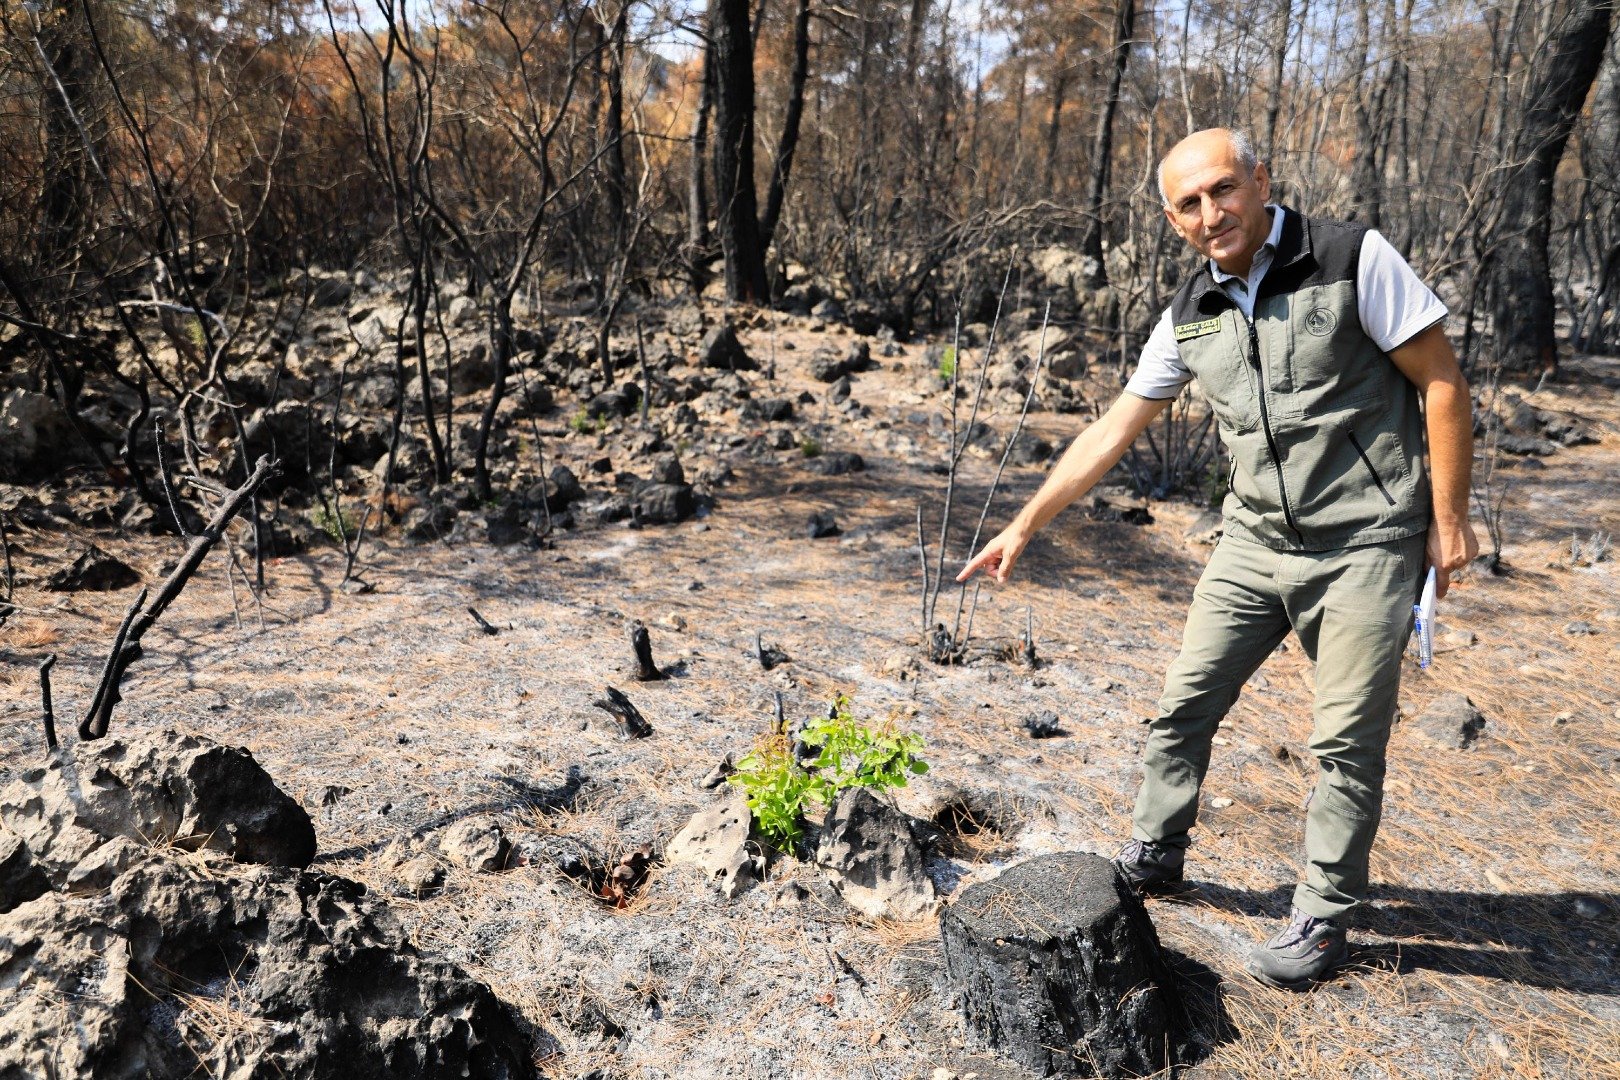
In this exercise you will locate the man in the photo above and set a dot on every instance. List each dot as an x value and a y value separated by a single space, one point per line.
1315 344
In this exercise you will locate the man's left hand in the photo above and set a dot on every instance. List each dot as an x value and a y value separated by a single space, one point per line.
1451 547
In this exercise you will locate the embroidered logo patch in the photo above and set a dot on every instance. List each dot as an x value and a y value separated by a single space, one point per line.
1321 322
1197 329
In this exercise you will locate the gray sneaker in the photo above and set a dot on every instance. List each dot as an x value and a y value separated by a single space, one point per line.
1151 867
1302 955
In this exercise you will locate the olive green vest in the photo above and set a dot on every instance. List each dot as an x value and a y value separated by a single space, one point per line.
1325 434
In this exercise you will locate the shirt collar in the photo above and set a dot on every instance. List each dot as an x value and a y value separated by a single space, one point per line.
1267 249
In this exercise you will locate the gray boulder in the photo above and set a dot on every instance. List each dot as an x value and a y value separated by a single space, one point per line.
159 788
836 463
716 842
478 844
721 349
93 571
664 504
868 851
34 431
666 469
1451 720
317 978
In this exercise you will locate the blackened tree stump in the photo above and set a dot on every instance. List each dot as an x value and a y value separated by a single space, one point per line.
1059 968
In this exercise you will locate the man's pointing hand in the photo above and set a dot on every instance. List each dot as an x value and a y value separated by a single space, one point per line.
997 557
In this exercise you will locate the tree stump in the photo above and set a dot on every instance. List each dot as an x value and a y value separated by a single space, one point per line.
1059 968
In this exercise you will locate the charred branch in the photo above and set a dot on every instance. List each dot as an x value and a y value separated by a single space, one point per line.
140 617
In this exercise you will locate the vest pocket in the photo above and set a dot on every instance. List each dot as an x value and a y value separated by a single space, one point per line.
1220 363
1367 461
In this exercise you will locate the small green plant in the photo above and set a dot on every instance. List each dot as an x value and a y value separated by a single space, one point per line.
947 363
777 789
586 424
849 754
809 447
333 522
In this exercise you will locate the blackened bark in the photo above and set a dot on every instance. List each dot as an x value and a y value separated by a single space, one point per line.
1060 89
65 106
1102 149
1521 293
618 194
737 207
697 192
790 124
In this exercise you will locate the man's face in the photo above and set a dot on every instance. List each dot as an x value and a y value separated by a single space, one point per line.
1215 204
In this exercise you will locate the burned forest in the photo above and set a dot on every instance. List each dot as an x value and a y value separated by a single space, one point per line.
486 497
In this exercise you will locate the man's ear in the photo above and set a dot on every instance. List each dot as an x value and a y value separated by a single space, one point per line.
1263 178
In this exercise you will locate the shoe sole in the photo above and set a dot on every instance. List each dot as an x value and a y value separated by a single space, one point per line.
1304 983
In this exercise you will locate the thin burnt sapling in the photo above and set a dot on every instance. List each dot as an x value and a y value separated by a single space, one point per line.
995 484
953 458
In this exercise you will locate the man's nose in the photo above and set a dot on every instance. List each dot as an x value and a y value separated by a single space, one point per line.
1211 211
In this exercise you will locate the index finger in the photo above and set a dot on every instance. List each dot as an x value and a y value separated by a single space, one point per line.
977 563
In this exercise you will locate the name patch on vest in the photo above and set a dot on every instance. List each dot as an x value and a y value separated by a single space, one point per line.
1197 329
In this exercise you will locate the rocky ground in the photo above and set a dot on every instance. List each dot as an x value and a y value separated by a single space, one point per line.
409 732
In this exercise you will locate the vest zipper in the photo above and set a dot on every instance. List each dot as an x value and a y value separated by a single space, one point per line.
1265 423
1365 460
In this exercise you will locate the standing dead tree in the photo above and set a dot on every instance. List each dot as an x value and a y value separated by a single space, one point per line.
1522 304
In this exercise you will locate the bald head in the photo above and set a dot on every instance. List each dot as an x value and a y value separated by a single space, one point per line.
1228 145
1215 195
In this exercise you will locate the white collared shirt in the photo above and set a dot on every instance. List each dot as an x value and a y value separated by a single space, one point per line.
1241 290
1394 305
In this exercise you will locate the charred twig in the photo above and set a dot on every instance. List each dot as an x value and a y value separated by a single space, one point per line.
1029 636
127 645
483 624
168 488
779 724
11 574
717 775
641 645
769 656
621 709
45 666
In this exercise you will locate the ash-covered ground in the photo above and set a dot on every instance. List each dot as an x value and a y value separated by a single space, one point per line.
1490 948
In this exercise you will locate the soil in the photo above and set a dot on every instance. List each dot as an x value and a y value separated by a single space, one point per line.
1490 947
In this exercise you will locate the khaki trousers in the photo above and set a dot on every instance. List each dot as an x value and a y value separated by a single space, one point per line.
1352 610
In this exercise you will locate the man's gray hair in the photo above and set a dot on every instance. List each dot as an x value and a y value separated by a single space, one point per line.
1242 149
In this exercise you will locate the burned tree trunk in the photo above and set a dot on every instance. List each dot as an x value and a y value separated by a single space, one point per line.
789 141
1102 148
737 207
1522 307
697 192
641 646
1059 968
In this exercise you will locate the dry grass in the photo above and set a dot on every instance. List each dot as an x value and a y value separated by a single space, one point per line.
30 634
